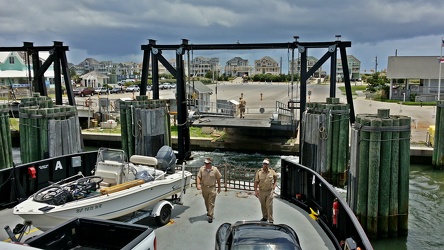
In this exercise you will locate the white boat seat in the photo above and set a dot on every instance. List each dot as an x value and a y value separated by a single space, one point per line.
143 160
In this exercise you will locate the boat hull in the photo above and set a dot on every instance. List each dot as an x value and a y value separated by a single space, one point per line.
104 206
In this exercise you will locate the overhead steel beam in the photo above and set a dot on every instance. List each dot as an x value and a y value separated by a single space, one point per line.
179 71
58 58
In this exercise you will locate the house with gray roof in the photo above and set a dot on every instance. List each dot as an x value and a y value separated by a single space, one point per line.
426 69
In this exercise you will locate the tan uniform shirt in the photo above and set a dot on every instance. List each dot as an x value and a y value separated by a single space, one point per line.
242 104
265 179
208 177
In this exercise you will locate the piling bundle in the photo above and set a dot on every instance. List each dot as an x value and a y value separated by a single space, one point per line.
378 189
145 126
47 130
325 139
438 146
6 160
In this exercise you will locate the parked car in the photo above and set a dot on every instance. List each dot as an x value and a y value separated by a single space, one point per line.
132 88
84 91
165 86
116 90
101 90
256 235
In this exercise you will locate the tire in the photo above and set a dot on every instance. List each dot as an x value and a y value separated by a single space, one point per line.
49 194
82 95
165 216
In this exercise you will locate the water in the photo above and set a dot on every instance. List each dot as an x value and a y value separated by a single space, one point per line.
425 212
426 223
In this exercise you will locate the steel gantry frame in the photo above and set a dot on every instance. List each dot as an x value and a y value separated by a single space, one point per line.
57 55
154 51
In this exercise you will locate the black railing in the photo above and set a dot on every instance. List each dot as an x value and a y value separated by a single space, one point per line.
308 190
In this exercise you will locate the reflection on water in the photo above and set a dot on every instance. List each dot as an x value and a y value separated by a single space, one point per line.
426 205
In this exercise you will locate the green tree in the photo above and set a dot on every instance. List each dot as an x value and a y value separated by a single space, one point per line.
378 83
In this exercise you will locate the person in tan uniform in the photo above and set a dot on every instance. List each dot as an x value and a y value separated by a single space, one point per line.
242 104
207 177
264 185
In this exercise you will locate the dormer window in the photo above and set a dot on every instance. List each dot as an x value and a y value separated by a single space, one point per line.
11 60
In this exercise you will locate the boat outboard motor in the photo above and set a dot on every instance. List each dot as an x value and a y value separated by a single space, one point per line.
166 159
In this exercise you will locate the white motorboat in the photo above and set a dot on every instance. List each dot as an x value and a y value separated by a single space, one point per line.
117 188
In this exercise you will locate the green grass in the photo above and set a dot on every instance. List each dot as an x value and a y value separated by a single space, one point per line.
354 88
194 132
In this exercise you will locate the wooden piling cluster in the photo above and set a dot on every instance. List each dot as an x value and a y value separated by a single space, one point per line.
6 160
325 137
378 190
438 146
145 126
47 130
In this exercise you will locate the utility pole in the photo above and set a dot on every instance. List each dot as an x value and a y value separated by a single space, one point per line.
376 64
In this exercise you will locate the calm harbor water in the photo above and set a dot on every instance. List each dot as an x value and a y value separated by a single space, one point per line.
426 203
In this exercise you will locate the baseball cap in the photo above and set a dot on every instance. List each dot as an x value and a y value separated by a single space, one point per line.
266 161
207 160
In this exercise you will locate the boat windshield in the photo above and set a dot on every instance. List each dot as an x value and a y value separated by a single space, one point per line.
106 154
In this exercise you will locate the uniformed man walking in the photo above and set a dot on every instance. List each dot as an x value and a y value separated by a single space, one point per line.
264 185
207 177
242 104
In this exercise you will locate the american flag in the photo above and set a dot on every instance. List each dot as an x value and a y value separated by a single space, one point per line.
441 60
442 42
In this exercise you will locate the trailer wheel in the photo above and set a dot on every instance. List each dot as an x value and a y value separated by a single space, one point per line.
165 216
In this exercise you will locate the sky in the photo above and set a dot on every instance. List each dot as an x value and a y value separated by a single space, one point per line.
115 30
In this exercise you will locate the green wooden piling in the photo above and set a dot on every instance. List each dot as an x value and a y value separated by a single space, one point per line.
335 145
23 133
394 175
361 208
438 149
3 145
437 134
373 180
329 126
43 124
343 144
384 178
130 128
34 135
123 125
440 158
404 170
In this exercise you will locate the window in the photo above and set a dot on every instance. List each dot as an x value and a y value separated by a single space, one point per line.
11 60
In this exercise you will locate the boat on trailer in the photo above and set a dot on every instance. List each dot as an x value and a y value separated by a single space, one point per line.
117 187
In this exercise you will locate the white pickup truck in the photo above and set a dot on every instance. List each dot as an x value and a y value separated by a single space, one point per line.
95 234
